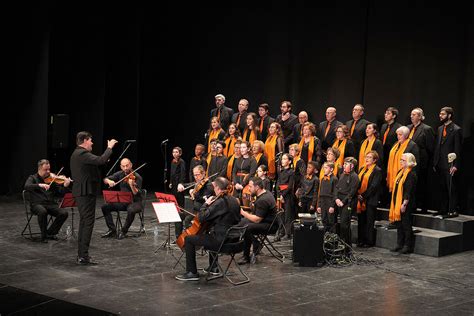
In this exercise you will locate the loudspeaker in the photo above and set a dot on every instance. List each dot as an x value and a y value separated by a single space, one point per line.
59 124
308 245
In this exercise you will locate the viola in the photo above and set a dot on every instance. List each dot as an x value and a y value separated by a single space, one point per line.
56 179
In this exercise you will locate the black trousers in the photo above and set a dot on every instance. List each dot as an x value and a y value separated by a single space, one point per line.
86 207
131 209
42 212
178 226
305 205
250 240
404 230
329 220
365 225
345 224
191 243
444 179
290 214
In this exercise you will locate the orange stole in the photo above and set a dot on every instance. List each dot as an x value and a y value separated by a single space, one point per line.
394 162
395 206
310 147
252 136
364 176
257 158
230 166
229 146
213 134
270 145
342 149
364 149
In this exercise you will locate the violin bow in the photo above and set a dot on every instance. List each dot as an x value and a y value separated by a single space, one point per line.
130 174
190 185
57 174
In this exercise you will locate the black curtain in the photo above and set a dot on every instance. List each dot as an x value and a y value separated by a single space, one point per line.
150 75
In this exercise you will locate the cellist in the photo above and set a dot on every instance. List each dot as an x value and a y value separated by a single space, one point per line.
218 213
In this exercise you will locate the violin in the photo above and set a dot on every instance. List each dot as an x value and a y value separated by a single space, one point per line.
56 179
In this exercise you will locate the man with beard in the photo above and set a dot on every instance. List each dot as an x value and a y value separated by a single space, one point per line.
287 121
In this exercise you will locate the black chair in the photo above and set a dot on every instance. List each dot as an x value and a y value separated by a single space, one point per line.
264 241
232 244
29 215
118 221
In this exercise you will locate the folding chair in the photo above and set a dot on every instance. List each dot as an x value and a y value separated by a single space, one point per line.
264 241
29 215
141 215
232 244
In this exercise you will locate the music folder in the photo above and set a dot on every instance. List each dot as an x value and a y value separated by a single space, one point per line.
67 201
117 197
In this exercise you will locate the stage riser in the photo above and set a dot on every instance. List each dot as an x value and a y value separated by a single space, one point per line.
429 244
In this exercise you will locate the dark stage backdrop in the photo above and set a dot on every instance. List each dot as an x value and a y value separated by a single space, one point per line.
150 75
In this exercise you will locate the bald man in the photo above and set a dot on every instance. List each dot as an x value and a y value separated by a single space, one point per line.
327 129
240 118
133 186
357 127
298 128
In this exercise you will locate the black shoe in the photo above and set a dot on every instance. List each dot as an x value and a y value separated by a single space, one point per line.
405 250
44 240
188 276
109 234
84 261
277 238
253 259
244 260
367 246
452 214
52 237
214 271
121 235
360 244
390 226
396 249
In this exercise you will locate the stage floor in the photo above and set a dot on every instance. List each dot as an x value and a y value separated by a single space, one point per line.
134 278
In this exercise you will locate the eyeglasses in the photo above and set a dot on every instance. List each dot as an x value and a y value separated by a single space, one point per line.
403 160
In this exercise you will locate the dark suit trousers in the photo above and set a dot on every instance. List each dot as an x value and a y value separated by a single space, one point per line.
345 224
191 243
131 209
42 212
365 226
86 207
444 179
404 230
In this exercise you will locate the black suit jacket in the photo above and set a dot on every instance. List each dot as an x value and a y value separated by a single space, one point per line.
331 135
242 122
358 135
297 130
287 128
225 117
451 144
85 171
425 139
267 120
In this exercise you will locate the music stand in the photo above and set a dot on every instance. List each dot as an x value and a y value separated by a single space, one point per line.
167 198
68 201
117 197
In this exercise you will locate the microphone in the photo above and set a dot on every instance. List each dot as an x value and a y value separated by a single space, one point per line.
131 141
165 141
451 157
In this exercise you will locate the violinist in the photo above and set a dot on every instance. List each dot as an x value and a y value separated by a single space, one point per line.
42 199
132 183
218 214
201 190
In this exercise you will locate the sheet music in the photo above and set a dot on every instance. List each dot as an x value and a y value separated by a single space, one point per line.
166 212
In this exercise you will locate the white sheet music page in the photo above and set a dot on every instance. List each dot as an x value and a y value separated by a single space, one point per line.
166 212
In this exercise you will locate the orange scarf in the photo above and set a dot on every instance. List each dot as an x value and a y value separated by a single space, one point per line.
364 176
252 136
395 206
295 162
212 135
310 147
230 166
364 149
229 146
257 158
270 145
394 162
342 149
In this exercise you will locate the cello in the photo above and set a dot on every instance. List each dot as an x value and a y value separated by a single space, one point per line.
196 227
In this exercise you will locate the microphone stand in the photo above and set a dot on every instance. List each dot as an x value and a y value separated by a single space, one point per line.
165 168
118 159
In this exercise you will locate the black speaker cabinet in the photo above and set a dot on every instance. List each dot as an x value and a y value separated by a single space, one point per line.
308 245
59 124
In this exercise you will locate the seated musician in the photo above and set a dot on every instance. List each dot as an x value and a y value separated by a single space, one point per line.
217 214
202 190
42 200
127 185
258 219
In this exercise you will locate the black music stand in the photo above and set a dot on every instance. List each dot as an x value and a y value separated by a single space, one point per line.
68 201
111 197
166 198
